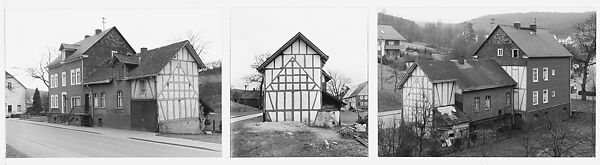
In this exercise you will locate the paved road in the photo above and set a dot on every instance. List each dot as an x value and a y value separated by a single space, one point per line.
41 141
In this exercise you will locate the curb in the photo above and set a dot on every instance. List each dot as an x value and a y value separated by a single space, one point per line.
175 144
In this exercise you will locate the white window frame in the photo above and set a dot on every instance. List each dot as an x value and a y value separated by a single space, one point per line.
73 101
534 75
553 72
545 96
513 53
78 75
72 76
545 73
535 98
119 99
64 79
103 99
553 93
95 104
488 103
500 52
476 104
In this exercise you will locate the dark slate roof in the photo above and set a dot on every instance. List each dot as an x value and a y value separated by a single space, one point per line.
81 46
360 88
154 60
539 44
388 32
470 76
300 36
128 59
329 99
103 74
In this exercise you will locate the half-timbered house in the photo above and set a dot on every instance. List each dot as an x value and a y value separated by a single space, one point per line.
155 90
537 62
357 97
466 93
294 84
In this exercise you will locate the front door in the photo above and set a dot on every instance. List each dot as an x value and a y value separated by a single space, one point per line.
87 103
64 104
144 115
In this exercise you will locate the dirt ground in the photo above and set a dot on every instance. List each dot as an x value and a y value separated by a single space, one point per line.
254 138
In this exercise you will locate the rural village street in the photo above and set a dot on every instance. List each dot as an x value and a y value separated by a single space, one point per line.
39 140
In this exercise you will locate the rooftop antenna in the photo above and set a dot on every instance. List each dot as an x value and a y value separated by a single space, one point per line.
103 23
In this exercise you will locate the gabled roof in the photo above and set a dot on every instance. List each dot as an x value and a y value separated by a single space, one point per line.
8 75
470 76
360 89
298 36
83 45
329 99
326 75
103 74
388 32
153 61
450 116
540 43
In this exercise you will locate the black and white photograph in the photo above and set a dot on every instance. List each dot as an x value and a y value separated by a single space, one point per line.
298 82
486 82
113 83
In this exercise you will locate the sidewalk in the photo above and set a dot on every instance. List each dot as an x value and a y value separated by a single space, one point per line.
240 118
134 135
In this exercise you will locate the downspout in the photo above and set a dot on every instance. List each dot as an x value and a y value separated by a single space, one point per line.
91 92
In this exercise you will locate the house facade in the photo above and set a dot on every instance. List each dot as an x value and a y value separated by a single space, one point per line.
357 97
295 84
155 90
466 94
389 43
15 92
68 100
538 63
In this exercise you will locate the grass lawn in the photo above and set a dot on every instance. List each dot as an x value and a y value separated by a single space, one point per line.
214 138
253 138
13 153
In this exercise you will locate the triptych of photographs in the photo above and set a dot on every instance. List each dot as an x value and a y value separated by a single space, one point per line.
294 82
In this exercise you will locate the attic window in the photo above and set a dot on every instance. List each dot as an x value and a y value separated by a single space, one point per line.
515 53
112 53
500 52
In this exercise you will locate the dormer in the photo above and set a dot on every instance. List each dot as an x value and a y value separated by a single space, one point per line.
66 50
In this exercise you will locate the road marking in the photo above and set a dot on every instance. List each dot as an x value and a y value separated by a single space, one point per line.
180 145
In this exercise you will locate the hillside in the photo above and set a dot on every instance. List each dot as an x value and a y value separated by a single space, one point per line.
388 99
557 23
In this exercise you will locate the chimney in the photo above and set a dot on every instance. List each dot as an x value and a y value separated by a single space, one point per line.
142 50
98 31
86 36
533 27
517 25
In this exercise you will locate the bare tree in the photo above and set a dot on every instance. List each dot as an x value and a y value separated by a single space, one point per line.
338 85
556 139
527 140
41 71
214 64
257 77
421 119
584 51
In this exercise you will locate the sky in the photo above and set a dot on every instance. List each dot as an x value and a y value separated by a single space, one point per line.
340 33
460 14
30 33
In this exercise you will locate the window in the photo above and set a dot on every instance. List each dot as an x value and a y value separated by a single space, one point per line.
476 104
508 99
9 85
500 52
142 87
516 100
75 102
366 98
112 53
78 75
545 74
535 97
515 53
55 83
535 75
488 103
553 93
119 99
545 96
95 100
72 76
64 79
103 98
553 72
18 108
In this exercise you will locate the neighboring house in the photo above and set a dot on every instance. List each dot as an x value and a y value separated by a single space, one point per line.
69 99
210 96
538 63
155 90
294 85
389 43
357 97
15 92
246 97
466 94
